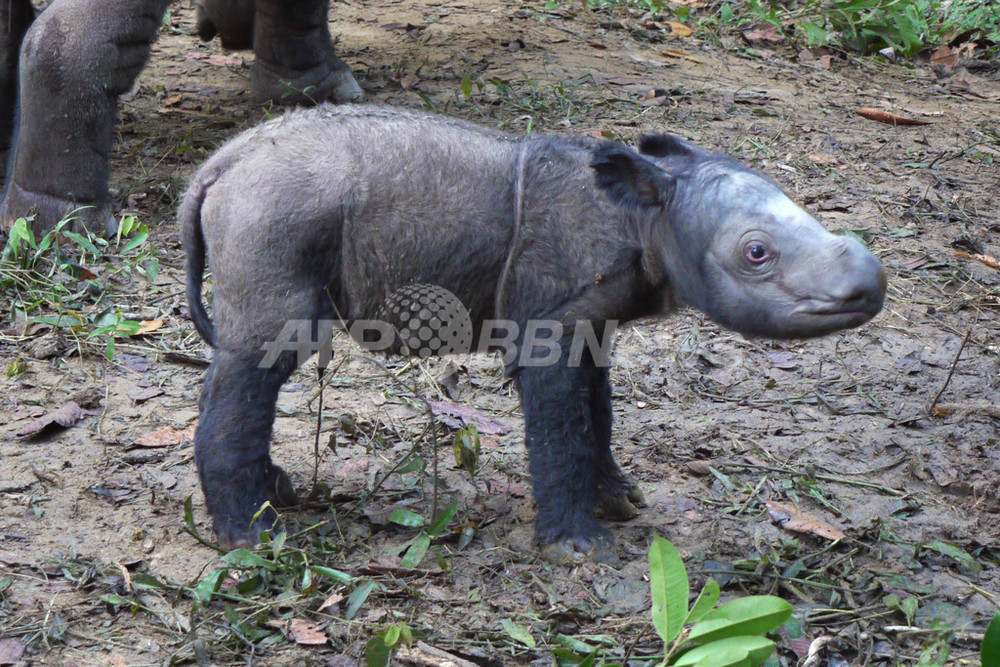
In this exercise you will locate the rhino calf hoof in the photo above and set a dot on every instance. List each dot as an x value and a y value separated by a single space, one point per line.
619 502
572 551
234 522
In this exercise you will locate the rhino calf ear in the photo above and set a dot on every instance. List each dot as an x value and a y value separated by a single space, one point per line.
628 178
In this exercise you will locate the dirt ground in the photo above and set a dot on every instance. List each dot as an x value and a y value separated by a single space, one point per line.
723 434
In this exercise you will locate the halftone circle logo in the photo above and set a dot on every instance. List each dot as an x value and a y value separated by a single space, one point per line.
429 321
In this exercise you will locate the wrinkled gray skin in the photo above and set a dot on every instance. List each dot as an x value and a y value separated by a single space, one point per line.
328 211
80 55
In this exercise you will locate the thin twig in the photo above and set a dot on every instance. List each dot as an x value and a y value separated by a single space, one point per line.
951 371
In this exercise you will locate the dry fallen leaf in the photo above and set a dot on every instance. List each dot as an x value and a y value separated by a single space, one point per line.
676 53
173 100
27 412
140 394
301 631
989 261
456 415
11 650
764 32
889 118
699 467
166 437
335 598
790 518
69 414
147 326
825 160
679 29
945 56
408 81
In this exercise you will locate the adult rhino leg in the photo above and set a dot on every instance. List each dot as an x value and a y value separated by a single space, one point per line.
15 17
76 59
296 62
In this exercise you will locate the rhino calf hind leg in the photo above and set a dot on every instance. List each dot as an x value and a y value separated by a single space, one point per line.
296 62
618 497
232 446
69 87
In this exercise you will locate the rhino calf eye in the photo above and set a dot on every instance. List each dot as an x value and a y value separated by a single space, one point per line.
757 253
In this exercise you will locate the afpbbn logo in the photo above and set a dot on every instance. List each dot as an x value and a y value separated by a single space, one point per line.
429 321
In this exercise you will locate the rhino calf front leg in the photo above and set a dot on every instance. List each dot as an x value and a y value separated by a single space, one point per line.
564 460
618 497
76 59
232 446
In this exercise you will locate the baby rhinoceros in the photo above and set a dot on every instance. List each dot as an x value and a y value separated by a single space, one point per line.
326 215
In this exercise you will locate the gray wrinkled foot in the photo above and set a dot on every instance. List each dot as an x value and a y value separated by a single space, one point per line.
331 81
48 211
573 551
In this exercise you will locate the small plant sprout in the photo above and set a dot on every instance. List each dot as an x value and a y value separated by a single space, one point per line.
706 635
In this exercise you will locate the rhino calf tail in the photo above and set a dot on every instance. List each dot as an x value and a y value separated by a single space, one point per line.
189 217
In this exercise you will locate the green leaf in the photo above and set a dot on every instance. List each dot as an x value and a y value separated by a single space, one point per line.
413 465
111 598
752 615
278 543
440 523
189 516
244 559
357 598
152 269
743 650
669 583
518 633
989 652
415 554
908 606
332 574
377 654
83 242
955 553
142 580
706 600
466 86
137 240
406 518
209 585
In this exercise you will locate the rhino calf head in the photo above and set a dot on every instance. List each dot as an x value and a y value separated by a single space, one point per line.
738 249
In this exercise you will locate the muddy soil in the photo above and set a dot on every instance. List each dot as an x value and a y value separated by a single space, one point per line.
723 434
